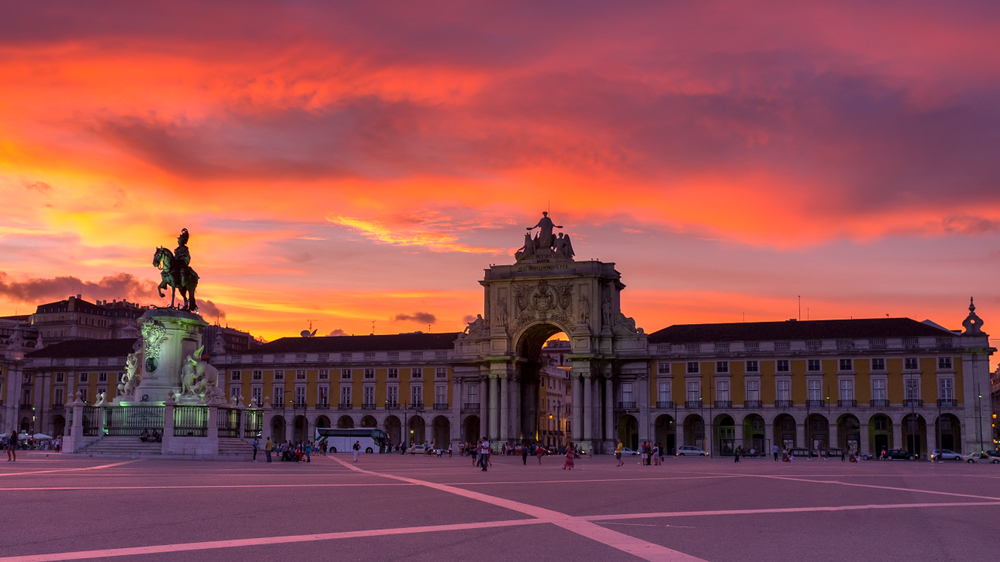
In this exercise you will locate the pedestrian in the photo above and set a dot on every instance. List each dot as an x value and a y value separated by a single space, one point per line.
843 455
656 454
12 446
524 454
539 451
661 453
357 449
255 446
775 450
570 453
484 453
618 453
645 453
736 454
267 448
308 451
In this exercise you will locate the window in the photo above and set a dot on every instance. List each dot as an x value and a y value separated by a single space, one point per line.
693 391
26 379
781 365
300 375
627 395
912 388
753 367
663 368
441 373
345 374
345 395
279 375
324 375
944 363
234 376
234 393
878 389
846 364
393 373
368 396
946 389
440 394
255 395
472 392
784 388
279 397
911 364
83 377
722 390
300 396
417 396
663 391
257 375
814 390
846 389
878 364
753 391
57 400
60 377
83 394
369 373
392 395
813 365
102 377
369 355
692 367
722 366
416 373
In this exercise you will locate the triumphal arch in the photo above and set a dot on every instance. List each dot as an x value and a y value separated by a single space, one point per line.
544 293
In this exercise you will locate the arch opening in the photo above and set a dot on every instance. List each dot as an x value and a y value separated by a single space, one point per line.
542 401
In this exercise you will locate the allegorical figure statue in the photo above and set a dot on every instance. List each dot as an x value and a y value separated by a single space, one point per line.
176 272
544 226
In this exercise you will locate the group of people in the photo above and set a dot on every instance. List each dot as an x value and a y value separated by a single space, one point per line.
148 436
482 452
651 454
290 452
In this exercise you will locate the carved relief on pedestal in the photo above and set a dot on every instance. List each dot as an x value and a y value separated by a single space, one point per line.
543 301
153 334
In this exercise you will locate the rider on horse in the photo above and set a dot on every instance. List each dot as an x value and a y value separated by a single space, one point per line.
182 260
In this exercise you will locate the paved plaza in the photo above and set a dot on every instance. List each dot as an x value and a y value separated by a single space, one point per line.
421 508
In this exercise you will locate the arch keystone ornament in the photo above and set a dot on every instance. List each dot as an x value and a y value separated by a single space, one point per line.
543 293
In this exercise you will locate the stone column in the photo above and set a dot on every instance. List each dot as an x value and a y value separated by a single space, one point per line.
577 431
265 421
609 410
73 440
678 435
897 435
168 424
516 429
504 409
800 435
642 402
494 427
457 398
588 409
484 408
931 437
833 437
738 435
769 441
864 445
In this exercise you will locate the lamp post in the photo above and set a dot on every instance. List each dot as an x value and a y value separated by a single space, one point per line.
559 429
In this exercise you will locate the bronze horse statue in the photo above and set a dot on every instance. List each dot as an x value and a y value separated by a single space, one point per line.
172 275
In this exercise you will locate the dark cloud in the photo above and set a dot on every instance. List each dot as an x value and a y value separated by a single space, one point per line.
337 332
209 308
468 318
418 317
969 225
38 291
39 186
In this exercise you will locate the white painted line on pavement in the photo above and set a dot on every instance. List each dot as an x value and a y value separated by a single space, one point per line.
893 488
626 543
656 515
68 469
263 486
261 541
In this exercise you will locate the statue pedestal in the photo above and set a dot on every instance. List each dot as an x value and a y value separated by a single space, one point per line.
168 338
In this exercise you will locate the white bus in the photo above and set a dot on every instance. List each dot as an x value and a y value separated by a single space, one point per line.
342 440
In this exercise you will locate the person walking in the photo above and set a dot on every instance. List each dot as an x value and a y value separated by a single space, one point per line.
618 453
524 454
570 453
267 449
357 449
656 454
12 446
737 453
255 446
309 448
539 451
484 454
774 450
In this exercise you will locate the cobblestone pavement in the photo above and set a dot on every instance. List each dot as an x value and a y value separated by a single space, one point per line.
391 507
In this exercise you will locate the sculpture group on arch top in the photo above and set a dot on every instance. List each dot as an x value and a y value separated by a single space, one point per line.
557 296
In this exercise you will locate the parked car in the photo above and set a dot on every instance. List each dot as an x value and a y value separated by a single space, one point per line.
689 451
626 451
800 452
834 452
993 454
898 454
866 456
417 450
945 455
980 457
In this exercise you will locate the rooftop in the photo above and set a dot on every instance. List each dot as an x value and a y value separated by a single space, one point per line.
797 330
85 348
337 344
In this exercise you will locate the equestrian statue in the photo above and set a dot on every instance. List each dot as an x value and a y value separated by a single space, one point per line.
176 272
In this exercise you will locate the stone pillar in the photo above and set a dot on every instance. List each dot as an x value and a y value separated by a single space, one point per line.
504 409
169 337
168 425
833 437
738 435
484 408
457 399
609 410
265 421
642 401
769 441
213 424
577 431
73 439
897 435
494 433
864 444
678 435
588 409
516 429
930 440
800 435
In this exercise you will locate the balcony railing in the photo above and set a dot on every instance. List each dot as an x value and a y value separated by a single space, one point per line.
880 403
440 405
470 406
948 403
847 403
667 404
323 406
723 403
753 404
344 406
368 406
783 404
416 405
392 405
913 402
626 405
815 403
692 404
26 406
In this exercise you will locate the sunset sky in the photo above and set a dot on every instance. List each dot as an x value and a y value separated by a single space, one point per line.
358 161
